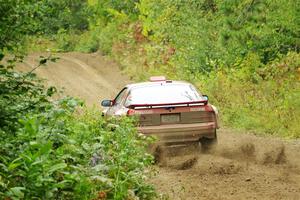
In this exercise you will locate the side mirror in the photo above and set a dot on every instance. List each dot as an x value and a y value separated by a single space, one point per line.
205 97
106 103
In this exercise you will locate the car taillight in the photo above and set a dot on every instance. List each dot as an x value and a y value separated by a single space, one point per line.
130 112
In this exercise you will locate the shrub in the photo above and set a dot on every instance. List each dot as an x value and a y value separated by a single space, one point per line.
66 41
257 96
53 149
88 42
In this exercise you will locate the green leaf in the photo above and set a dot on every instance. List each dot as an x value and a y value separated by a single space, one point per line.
43 61
51 90
14 164
46 148
57 167
63 183
17 191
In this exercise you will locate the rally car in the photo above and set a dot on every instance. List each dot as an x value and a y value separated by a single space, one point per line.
174 111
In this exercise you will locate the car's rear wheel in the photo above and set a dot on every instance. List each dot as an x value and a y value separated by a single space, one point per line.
209 144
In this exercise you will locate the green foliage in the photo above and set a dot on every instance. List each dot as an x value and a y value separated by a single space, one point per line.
233 50
257 96
88 42
52 15
127 7
47 152
265 27
209 34
21 18
108 31
21 93
66 41
54 149
15 20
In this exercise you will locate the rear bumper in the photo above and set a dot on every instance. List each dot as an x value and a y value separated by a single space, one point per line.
181 133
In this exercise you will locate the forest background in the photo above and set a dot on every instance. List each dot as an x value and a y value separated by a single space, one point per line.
244 54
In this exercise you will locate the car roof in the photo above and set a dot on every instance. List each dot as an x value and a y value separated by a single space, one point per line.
155 83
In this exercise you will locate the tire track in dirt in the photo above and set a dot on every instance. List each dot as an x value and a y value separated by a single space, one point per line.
243 166
93 74
87 76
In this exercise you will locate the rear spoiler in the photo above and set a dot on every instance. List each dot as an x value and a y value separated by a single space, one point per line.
191 103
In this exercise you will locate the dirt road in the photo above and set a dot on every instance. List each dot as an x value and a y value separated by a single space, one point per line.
90 77
244 166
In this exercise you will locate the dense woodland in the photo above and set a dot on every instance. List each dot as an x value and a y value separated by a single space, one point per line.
244 54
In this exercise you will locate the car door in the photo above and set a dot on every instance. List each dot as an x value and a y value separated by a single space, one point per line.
117 102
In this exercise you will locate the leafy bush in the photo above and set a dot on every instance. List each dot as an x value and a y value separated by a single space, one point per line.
88 42
52 15
15 20
66 41
208 34
21 93
52 149
264 98
20 18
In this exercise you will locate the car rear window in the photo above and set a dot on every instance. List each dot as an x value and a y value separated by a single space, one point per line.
165 93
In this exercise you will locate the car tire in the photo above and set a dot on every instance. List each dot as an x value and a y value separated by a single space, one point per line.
208 144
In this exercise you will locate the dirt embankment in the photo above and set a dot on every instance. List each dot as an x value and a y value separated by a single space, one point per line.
90 77
244 166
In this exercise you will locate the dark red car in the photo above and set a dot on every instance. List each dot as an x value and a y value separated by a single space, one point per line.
174 111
